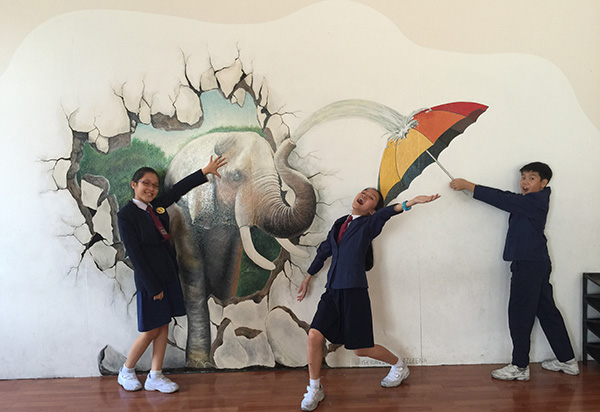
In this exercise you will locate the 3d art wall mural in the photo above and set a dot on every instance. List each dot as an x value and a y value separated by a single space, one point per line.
307 110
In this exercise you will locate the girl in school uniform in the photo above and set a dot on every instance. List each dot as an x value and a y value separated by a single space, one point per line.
144 228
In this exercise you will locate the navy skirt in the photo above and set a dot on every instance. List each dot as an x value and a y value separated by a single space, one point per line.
153 314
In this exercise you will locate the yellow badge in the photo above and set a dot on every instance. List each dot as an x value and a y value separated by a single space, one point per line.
160 210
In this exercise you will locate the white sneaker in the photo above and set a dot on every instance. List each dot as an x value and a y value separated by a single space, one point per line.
511 372
160 383
395 377
570 367
312 398
128 380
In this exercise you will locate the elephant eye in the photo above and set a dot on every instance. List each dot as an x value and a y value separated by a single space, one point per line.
235 175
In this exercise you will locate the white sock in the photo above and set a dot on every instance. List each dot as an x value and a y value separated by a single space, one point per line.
126 369
154 374
315 383
399 365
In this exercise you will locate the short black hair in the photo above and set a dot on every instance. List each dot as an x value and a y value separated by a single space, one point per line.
379 204
141 172
540 168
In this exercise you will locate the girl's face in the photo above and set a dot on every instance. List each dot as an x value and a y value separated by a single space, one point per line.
365 202
145 189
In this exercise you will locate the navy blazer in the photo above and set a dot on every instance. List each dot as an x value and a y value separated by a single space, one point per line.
525 239
154 261
348 258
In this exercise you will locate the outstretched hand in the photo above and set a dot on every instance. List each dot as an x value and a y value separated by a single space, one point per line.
422 199
214 165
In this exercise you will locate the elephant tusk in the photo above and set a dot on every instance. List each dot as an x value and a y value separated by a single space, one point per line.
293 249
251 251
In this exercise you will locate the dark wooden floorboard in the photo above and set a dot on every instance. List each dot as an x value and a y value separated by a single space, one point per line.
428 388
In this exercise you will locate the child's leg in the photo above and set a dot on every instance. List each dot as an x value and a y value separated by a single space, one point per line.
525 285
314 353
139 347
379 353
398 371
156 381
553 325
127 377
159 347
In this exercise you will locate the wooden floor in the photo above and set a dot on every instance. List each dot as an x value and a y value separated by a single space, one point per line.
428 388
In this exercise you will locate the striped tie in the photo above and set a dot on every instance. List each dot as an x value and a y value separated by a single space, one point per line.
161 229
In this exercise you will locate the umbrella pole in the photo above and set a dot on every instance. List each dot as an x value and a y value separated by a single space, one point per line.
440 165
444 169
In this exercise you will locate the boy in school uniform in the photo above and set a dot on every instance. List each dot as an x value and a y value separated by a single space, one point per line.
530 288
344 312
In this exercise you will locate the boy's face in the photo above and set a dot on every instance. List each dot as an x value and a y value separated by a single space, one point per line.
531 182
365 202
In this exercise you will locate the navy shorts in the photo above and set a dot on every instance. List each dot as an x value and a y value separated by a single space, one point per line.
344 317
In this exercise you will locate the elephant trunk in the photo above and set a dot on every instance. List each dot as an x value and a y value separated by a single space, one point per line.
279 218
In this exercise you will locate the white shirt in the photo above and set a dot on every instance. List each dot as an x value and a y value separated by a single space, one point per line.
140 204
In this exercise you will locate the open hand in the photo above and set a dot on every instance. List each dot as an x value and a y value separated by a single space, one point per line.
422 199
214 165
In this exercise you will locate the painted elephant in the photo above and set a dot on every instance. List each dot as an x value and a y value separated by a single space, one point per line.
211 224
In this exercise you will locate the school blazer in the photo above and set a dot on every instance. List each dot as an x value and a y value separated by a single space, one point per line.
153 259
348 259
525 238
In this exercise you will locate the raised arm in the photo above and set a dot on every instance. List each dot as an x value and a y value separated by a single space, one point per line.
189 182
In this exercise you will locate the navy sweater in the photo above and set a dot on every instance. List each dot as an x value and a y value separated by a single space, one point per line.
525 239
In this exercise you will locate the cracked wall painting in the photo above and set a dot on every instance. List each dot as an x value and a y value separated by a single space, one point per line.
86 106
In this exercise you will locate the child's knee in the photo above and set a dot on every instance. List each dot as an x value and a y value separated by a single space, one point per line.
315 337
155 333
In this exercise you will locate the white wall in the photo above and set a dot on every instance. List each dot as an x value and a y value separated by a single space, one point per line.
439 288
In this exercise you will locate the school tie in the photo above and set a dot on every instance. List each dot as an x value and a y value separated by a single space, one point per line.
343 228
161 229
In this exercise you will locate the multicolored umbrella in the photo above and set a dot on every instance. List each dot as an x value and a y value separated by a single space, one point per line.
431 131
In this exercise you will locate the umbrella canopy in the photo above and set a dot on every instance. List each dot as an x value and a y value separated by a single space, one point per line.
405 157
